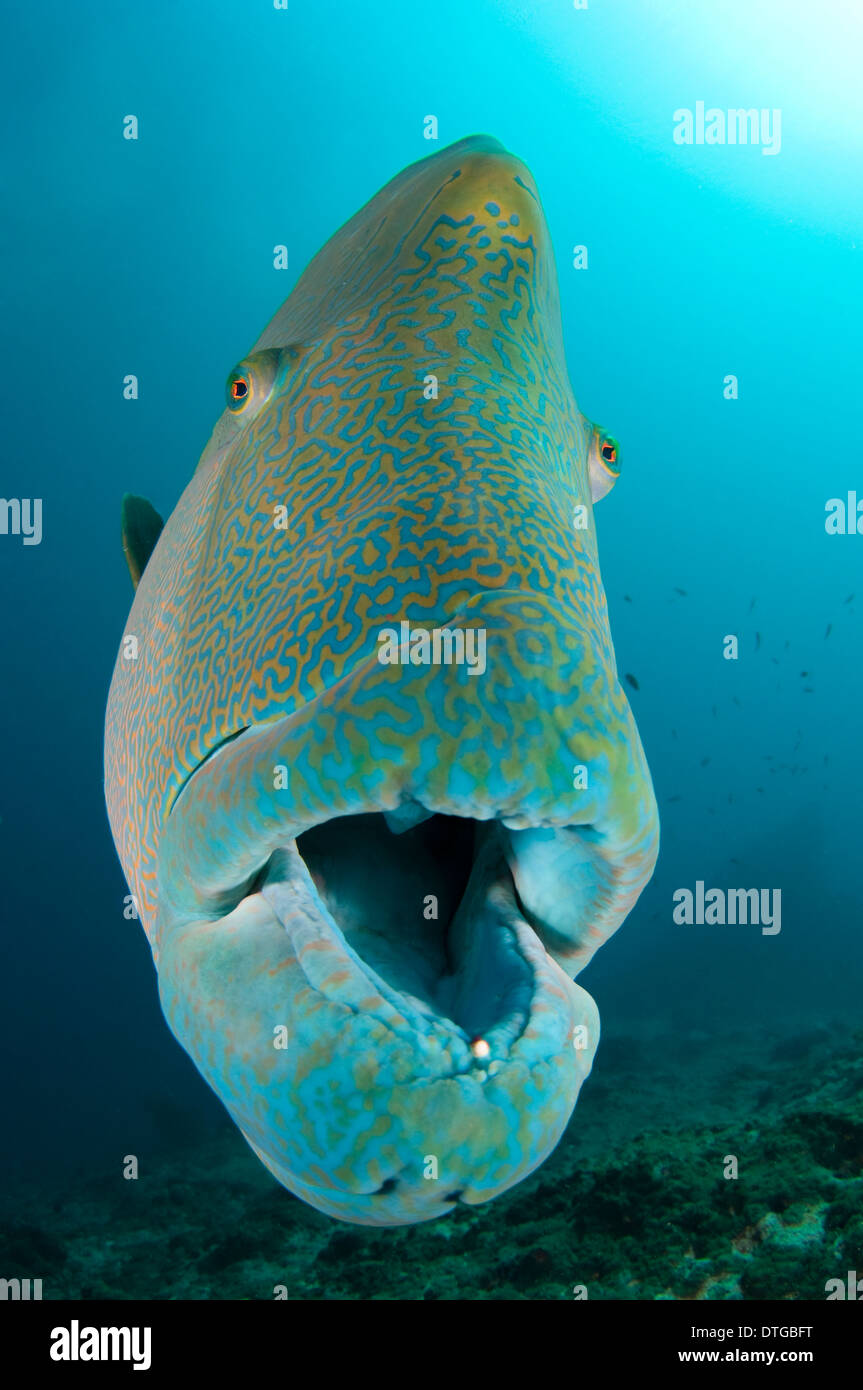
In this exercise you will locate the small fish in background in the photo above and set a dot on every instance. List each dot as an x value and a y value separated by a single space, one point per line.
775 660
803 675
757 640
632 681
672 798
760 789
826 759
674 733
850 598
704 762
715 715
734 861
737 702
681 592
752 604
626 598
787 645
828 632
808 690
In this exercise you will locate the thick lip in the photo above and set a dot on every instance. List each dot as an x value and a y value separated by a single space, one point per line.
535 897
489 907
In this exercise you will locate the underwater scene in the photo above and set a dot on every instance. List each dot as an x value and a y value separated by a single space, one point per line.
430 569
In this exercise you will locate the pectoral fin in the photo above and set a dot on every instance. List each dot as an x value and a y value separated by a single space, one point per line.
142 527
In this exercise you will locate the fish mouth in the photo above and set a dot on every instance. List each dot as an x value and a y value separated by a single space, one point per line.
424 906
408 927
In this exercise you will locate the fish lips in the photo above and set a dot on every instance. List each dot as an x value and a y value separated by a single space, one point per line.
371 1096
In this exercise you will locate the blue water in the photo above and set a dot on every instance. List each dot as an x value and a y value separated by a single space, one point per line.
154 257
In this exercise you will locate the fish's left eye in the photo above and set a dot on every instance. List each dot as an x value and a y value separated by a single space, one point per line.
609 452
238 392
252 380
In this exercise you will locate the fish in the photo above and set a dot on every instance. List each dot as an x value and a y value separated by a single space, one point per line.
704 762
757 640
682 592
371 774
752 605
849 599
632 681
626 598
828 630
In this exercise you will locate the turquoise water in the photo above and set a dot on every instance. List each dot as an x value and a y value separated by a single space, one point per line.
260 127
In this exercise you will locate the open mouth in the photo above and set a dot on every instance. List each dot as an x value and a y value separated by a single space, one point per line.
427 905
425 908
452 920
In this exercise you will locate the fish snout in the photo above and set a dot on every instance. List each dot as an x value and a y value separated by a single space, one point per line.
399 880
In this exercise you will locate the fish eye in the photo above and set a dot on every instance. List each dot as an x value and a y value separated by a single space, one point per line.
609 453
603 462
239 390
251 382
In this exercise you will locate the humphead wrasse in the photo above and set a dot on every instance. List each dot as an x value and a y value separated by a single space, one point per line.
370 771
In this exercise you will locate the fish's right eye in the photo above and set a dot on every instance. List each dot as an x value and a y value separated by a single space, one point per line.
609 452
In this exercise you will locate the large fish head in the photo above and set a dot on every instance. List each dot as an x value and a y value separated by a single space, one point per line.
370 770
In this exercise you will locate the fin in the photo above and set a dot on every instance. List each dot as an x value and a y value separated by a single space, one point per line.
142 527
